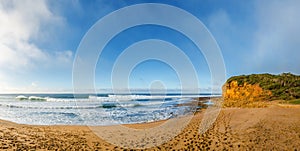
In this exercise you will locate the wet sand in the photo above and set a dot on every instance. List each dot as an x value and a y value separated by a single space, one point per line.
276 127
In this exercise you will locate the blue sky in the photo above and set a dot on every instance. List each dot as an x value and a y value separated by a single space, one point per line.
38 41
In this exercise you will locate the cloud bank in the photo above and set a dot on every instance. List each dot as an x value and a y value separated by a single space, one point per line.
263 38
21 24
277 39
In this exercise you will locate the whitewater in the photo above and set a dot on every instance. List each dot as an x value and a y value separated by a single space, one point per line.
86 109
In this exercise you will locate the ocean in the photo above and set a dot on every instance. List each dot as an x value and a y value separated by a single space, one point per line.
93 110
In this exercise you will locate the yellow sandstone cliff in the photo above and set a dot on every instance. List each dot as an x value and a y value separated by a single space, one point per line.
244 95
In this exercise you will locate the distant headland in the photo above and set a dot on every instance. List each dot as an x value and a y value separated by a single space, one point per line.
256 89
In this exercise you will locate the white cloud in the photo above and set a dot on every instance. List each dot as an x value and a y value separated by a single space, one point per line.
64 56
267 39
220 20
22 23
277 40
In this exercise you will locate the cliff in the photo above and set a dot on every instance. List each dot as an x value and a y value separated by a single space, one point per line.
251 90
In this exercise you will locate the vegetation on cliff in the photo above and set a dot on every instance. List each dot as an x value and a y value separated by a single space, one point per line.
250 90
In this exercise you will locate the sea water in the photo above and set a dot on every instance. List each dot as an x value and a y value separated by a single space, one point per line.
86 109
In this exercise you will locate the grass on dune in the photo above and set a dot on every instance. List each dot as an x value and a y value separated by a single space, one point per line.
296 101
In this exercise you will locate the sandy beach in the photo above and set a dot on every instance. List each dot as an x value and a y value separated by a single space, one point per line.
276 127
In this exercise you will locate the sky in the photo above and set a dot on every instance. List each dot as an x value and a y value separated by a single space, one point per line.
39 41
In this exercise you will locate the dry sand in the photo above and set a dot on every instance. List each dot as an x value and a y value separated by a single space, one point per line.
273 128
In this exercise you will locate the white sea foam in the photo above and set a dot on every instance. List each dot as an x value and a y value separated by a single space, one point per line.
21 97
43 109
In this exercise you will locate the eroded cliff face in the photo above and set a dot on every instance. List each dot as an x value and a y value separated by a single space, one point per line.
285 86
255 89
244 95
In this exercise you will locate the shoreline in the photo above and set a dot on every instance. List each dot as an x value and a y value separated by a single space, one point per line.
65 111
275 127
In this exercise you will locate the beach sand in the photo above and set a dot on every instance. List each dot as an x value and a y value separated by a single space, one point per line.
273 128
